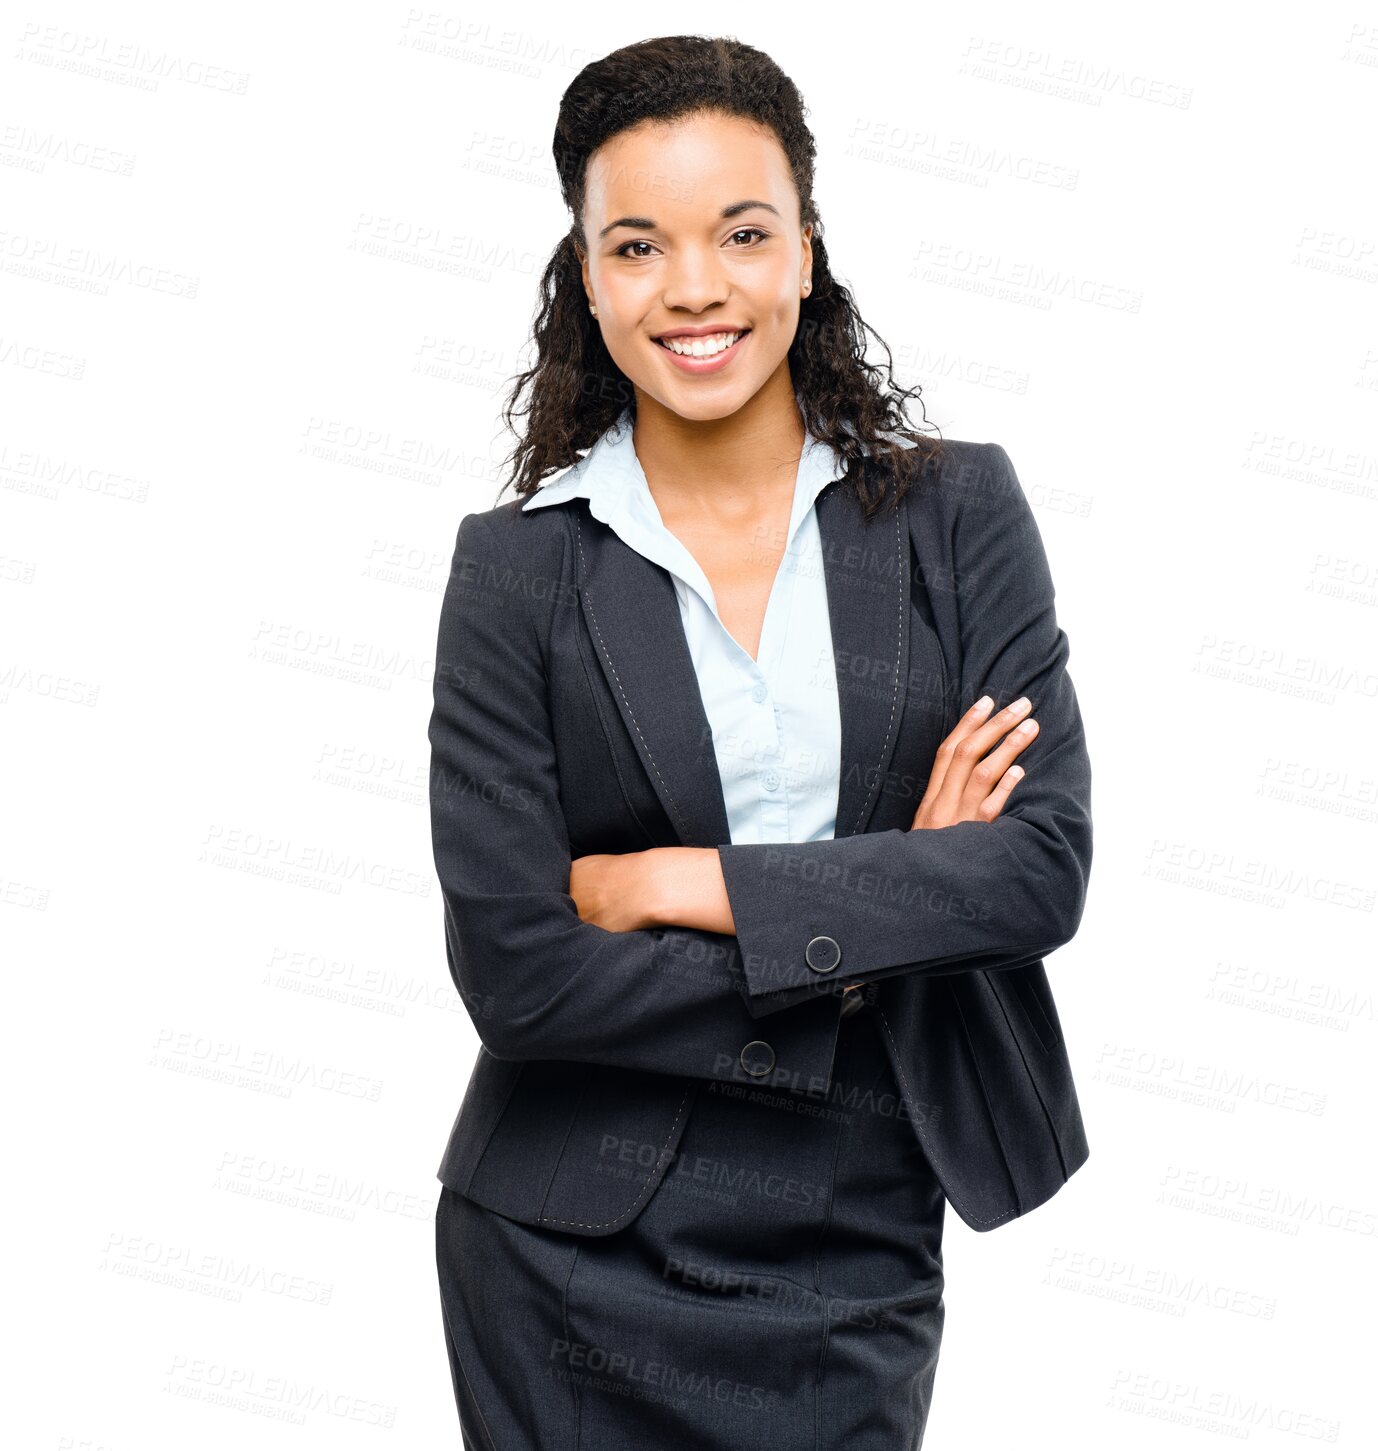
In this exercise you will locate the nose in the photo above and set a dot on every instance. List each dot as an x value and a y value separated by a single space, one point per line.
695 282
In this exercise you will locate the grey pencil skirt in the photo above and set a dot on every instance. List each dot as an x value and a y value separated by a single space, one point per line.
782 1287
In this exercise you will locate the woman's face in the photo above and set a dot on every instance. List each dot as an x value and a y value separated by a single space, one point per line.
694 228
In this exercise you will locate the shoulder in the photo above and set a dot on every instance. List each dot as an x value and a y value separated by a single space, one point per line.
963 483
509 529
510 555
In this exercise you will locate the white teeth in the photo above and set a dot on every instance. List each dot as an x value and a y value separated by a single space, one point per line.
704 347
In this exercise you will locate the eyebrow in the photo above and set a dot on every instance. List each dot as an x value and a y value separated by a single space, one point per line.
647 224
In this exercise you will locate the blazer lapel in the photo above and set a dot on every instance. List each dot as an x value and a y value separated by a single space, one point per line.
868 575
634 622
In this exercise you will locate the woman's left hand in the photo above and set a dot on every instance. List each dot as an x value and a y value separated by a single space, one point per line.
609 890
663 886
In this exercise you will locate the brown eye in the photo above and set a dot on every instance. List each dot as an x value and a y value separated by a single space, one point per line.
747 231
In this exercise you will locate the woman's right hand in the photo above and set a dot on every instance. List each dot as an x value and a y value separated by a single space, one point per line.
970 780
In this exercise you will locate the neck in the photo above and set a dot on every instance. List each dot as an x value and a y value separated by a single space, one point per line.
721 465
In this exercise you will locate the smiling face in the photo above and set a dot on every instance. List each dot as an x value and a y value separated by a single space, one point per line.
697 262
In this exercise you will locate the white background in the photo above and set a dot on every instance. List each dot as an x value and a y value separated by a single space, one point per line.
267 271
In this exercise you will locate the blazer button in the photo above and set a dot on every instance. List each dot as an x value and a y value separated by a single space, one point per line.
758 1058
822 954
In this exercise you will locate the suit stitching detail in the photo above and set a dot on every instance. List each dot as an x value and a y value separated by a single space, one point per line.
583 590
1023 1058
894 700
650 1184
985 1095
908 1093
497 1119
564 1143
1027 993
608 731
564 1320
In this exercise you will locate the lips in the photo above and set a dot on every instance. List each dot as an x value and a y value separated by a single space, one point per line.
686 344
697 365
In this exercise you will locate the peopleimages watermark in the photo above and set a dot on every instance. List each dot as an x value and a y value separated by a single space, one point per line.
632 1374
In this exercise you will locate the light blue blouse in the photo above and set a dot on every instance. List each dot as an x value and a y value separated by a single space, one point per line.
776 726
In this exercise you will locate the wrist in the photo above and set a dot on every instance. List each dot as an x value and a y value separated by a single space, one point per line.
658 879
681 887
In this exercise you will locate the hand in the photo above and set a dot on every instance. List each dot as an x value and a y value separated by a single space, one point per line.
968 784
609 890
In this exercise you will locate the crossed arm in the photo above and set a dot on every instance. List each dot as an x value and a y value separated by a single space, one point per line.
983 878
675 886
667 973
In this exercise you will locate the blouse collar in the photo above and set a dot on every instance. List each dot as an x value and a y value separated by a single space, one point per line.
611 478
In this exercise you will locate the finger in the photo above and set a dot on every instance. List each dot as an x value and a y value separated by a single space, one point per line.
999 725
990 771
967 754
994 804
970 721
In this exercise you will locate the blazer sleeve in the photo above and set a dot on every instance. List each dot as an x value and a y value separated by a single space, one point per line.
975 895
537 980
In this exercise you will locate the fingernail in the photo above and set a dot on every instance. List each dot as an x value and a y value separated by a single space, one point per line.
984 703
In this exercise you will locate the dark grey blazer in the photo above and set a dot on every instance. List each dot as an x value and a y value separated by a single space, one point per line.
567 720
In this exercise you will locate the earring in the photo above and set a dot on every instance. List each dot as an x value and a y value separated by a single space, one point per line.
593 309
807 284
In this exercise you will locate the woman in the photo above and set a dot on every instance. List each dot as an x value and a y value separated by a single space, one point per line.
739 890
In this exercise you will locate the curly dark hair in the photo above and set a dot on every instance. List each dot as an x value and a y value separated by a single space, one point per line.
576 390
